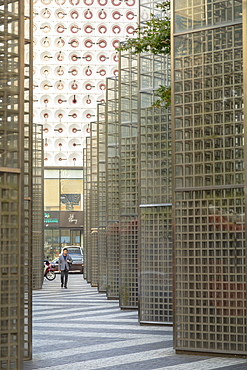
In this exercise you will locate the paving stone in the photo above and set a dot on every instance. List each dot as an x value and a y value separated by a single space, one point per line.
78 329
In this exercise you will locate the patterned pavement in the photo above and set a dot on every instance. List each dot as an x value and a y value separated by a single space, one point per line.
79 328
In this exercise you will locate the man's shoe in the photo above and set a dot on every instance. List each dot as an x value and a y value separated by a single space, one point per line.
61 285
66 287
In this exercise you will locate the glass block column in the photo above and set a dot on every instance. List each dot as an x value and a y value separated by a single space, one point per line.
155 189
101 192
87 246
85 235
15 182
93 204
38 209
155 251
209 208
112 188
128 182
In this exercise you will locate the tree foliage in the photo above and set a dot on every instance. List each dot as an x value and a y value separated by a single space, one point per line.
154 36
164 94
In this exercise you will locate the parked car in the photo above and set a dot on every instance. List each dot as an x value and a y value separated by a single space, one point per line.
77 264
74 249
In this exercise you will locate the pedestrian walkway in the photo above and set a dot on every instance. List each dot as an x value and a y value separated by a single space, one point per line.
79 328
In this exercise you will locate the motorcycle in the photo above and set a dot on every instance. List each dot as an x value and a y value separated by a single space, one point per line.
49 272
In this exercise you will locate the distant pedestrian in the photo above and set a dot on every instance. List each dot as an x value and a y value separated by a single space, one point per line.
64 263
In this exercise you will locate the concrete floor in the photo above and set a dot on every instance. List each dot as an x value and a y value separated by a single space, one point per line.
79 328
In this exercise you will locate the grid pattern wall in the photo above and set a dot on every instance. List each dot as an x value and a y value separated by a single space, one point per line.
28 173
155 156
112 188
155 194
112 232
155 221
128 291
128 185
209 195
15 182
85 235
38 209
101 191
94 204
156 265
87 247
10 280
194 14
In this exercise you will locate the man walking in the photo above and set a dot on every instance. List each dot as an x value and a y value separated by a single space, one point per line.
64 262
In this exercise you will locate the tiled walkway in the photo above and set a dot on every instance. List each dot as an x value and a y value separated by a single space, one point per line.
78 328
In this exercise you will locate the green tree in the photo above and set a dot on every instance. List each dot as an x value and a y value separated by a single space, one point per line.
154 36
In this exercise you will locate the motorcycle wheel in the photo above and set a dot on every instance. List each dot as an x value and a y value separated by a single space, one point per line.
50 275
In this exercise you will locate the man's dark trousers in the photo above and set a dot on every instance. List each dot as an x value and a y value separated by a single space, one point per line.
64 274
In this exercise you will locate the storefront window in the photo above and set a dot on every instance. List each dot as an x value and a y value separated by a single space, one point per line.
63 216
65 237
51 194
76 237
57 239
63 190
52 245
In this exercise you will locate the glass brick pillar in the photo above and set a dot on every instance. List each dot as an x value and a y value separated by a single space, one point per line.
128 182
101 192
155 190
15 182
38 208
87 211
85 234
94 204
208 150
112 188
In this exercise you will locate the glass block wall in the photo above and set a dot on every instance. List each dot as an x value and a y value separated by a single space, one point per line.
38 209
112 189
155 251
155 189
209 209
85 227
27 174
93 204
87 214
128 182
101 192
15 182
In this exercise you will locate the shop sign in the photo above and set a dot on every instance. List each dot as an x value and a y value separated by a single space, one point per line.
51 218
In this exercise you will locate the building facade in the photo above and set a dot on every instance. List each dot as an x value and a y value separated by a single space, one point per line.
74 52
63 209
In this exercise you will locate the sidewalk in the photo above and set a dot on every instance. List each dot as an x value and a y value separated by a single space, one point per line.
79 328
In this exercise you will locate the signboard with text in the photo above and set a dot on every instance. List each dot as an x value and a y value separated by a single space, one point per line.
63 219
